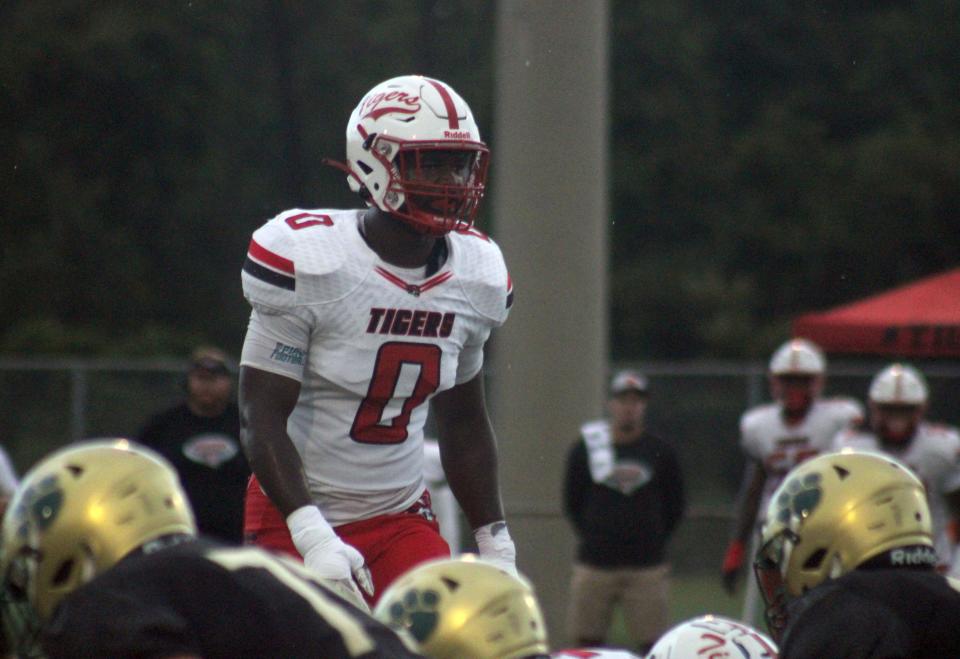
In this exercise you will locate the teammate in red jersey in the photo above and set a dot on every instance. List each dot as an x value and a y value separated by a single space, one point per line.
360 319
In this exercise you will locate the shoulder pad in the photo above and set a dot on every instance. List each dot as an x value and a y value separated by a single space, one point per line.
299 257
482 274
849 404
943 429
755 416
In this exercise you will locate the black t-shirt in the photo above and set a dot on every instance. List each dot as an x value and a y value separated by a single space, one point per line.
628 521
874 614
213 601
209 459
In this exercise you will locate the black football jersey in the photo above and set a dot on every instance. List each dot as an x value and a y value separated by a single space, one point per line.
868 614
199 598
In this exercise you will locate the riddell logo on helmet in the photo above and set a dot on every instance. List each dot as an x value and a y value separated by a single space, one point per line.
457 134
399 102
917 556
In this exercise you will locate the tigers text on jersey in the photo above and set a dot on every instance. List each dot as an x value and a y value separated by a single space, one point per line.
933 453
370 343
779 447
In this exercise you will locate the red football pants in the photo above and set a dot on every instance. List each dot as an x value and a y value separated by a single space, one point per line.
390 544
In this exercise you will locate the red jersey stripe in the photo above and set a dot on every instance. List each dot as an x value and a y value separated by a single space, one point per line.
447 103
436 281
265 256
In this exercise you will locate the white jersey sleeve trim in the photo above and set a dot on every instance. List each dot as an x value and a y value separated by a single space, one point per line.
276 343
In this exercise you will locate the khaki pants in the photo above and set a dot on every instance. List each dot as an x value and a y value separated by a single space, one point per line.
643 595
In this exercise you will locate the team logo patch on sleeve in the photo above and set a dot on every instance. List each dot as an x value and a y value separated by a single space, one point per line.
269 267
287 354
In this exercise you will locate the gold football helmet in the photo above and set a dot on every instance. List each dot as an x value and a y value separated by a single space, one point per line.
465 609
76 514
834 513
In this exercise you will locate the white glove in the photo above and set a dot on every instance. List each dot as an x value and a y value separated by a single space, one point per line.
325 553
496 546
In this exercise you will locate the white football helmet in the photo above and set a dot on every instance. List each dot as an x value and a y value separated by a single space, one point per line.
899 384
414 151
898 400
798 357
796 375
713 636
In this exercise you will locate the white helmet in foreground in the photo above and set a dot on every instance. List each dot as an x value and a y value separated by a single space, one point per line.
798 357
713 636
414 151
899 384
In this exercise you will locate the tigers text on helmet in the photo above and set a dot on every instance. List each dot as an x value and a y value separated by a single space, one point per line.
414 151
834 513
465 608
713 636
76 514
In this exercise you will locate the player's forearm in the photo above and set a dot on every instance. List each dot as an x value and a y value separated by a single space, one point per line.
278 468
275 462
471 465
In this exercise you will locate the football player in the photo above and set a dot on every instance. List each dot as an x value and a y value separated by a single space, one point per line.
465 608
776 437
713 636
847 566
100 558
360 319
898 400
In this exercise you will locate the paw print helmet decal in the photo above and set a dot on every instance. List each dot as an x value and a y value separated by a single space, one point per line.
834 513
465 608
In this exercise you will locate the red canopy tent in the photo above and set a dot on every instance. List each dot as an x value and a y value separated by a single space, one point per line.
919 320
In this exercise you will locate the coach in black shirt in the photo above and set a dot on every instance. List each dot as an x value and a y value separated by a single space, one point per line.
624 494
201 437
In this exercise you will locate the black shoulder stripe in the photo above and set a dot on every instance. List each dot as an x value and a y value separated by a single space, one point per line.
509 299
269 276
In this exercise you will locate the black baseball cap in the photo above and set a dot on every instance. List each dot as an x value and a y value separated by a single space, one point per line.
625 381
211 360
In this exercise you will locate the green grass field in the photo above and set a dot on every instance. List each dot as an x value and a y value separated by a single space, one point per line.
692 595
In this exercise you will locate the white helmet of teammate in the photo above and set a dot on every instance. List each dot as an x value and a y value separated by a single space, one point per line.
899 384
798 357
401 135
713 636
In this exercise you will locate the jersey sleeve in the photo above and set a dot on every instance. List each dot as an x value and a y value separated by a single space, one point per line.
951 480
269 270
8 477
851 412
470 360
276 342
484 277
749 442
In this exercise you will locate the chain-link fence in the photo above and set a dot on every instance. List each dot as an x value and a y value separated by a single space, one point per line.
49 402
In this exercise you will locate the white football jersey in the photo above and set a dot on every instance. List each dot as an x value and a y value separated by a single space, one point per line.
766 437
370 343
934 456
8 477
